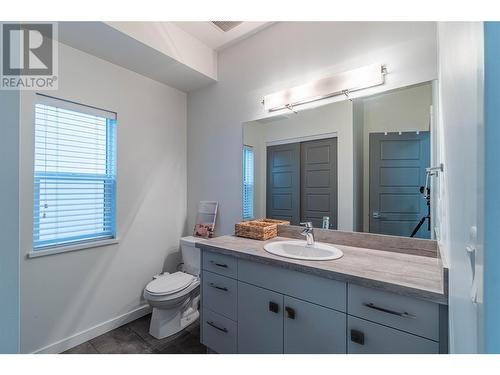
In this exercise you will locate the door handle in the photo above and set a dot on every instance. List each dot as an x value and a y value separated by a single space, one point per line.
392 312
290 313
274 307
212 324
376 215
358 337
218 287
219 264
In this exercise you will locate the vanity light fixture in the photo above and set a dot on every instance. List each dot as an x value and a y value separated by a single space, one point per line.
346 93
339 84
290 107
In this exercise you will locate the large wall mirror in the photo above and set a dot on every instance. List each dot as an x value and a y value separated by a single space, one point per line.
355 165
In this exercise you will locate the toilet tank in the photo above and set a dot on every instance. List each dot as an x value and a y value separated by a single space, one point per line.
190 255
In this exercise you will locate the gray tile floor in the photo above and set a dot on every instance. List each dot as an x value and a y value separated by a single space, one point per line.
134 338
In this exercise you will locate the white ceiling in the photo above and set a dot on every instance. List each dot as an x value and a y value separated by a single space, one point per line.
213 37
167 52
104 41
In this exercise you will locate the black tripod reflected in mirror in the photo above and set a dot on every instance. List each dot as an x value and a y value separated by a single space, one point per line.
427 196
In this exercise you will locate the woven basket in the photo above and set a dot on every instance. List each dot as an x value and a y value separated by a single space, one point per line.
260 229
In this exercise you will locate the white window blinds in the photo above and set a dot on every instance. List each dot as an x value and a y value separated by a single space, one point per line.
248 182
74 174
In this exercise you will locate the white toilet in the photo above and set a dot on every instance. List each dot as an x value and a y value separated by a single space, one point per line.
175 296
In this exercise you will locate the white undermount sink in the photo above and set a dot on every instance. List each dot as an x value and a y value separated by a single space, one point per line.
300 250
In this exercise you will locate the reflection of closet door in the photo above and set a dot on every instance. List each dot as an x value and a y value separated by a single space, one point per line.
319 181
283 182
397 170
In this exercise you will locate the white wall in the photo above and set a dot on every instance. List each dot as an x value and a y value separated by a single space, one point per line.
67 294
358 154
461 188
403 110
9 221
281 56
334 118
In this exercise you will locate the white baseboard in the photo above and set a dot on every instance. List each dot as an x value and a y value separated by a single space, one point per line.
97 330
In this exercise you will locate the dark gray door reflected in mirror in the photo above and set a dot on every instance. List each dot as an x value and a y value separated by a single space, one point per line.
397 174
283 182
318 182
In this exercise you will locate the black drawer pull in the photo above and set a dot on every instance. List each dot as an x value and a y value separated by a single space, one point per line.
218 287
392 312
274 307
212 324
290 313
358 337
218 264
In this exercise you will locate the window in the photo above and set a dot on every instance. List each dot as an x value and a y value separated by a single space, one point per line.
74 174
248 182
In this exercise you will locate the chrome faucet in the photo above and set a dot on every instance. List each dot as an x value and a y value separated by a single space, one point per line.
308 232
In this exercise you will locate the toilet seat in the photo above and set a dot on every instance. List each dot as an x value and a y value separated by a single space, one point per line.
169 284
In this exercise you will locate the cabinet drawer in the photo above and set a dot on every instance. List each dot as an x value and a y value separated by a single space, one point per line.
220 294
221 264
365 337
315 289
219 333
404 313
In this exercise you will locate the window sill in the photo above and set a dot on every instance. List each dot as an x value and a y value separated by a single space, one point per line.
75 247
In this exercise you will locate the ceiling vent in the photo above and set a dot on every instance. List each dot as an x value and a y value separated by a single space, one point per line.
225 26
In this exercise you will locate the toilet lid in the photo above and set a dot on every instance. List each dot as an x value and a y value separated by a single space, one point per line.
170 283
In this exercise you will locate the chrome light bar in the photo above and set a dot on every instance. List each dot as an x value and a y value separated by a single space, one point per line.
339 84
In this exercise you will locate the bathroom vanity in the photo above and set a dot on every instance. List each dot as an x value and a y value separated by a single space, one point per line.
384 295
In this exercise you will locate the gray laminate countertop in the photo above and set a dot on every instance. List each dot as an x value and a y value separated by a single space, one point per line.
417 276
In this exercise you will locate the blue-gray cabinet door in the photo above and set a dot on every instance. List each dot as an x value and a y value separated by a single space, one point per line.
397 171
310 328
366 337
283 182
260 320
318 176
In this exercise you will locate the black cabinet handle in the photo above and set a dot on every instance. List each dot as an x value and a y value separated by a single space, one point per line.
218 287
392 312
219 264
358 337
212 324
274 307
290 313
